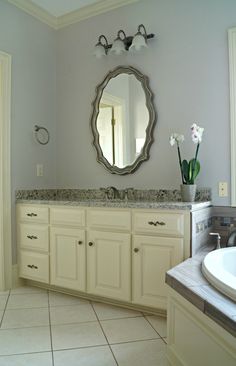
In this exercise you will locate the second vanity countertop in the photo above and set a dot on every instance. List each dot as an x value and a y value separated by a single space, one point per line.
187 279
189 206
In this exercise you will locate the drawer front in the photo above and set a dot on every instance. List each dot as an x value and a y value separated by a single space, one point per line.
159 223
67 216
32 213
109 220
33 236
34 266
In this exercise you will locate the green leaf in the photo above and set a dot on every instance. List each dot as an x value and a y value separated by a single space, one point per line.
194 168
185 169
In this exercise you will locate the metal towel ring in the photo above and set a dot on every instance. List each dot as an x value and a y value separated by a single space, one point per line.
43 137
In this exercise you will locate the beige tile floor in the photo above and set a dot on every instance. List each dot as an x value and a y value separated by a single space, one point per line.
41 328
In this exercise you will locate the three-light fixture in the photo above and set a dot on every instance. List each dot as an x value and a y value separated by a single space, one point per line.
122 43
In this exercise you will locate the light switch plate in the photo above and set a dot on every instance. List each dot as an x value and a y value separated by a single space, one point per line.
223 189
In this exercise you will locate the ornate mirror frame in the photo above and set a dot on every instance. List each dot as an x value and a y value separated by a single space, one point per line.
144 155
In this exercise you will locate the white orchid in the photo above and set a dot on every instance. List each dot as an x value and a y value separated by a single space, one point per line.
197 132
189 170
175 138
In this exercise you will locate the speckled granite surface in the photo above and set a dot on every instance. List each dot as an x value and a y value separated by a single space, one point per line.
127 198
187 279
123 204
161 195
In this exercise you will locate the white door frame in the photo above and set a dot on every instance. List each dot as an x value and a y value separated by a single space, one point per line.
5 182
232 84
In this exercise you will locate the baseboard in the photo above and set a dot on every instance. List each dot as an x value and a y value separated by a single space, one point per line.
172 358
16 281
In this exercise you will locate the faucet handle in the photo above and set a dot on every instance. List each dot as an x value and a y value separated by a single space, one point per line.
218 239
215 234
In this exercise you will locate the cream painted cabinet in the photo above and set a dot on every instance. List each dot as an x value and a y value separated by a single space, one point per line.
115 253
152 257
68 260
159 243
33 242
109 265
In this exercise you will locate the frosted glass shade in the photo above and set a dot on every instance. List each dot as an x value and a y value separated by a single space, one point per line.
139 41
99 51
118 47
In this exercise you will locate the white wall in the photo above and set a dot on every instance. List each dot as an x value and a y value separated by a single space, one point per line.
187 63
32 46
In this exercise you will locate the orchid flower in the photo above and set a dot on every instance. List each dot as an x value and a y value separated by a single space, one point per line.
189 170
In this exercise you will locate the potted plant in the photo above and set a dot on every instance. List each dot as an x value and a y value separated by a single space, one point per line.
189 170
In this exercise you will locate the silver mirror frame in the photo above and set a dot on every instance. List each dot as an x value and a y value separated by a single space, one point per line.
144 155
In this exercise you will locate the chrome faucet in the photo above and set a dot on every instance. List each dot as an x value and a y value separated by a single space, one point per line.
112 193
218 239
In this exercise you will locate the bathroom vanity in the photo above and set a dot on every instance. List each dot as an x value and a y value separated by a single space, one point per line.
117 252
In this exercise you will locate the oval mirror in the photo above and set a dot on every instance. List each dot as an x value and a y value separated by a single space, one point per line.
122 121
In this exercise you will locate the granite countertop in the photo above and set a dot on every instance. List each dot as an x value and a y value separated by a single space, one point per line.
192 206
187 279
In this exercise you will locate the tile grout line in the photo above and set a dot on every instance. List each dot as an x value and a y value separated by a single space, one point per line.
104 334
50 329
5 309
154 328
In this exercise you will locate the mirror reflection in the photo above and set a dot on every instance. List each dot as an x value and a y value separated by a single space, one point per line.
122 120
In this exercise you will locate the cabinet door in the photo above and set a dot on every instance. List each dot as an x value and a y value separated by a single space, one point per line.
109 264
68 261
152 257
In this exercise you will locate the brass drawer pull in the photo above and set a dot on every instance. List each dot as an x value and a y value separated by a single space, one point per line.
90 243
31 214
32 237
156 223
80 242
32 266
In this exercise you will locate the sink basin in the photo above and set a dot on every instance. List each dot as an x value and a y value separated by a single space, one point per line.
219 268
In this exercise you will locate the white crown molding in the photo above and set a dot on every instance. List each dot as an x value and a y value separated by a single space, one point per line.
62 21
36 11
91 10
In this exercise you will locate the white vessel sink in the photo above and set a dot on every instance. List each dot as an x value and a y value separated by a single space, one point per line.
219 268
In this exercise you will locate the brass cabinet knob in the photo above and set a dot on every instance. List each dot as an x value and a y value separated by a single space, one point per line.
80 242
32 237
32 214
136 250
90 243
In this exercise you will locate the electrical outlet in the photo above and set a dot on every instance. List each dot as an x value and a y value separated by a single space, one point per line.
39 168
223 189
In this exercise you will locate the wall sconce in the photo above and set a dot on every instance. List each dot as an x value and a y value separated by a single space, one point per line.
122 43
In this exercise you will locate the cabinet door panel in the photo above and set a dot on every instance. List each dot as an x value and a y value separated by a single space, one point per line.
68 258
153 257
109 264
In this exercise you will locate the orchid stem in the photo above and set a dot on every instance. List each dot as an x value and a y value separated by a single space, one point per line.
180 163
195 159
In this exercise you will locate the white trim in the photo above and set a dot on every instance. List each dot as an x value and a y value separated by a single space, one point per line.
5 184
232 84
70 18
36 11
16 281
89 11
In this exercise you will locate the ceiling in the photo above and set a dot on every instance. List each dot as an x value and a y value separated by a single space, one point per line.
61 13
58 8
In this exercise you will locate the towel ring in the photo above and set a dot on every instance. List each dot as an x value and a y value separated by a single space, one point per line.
41 135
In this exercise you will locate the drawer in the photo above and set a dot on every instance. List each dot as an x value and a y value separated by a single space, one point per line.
67 216
110 220
159 223
33 236
34 266
30 213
